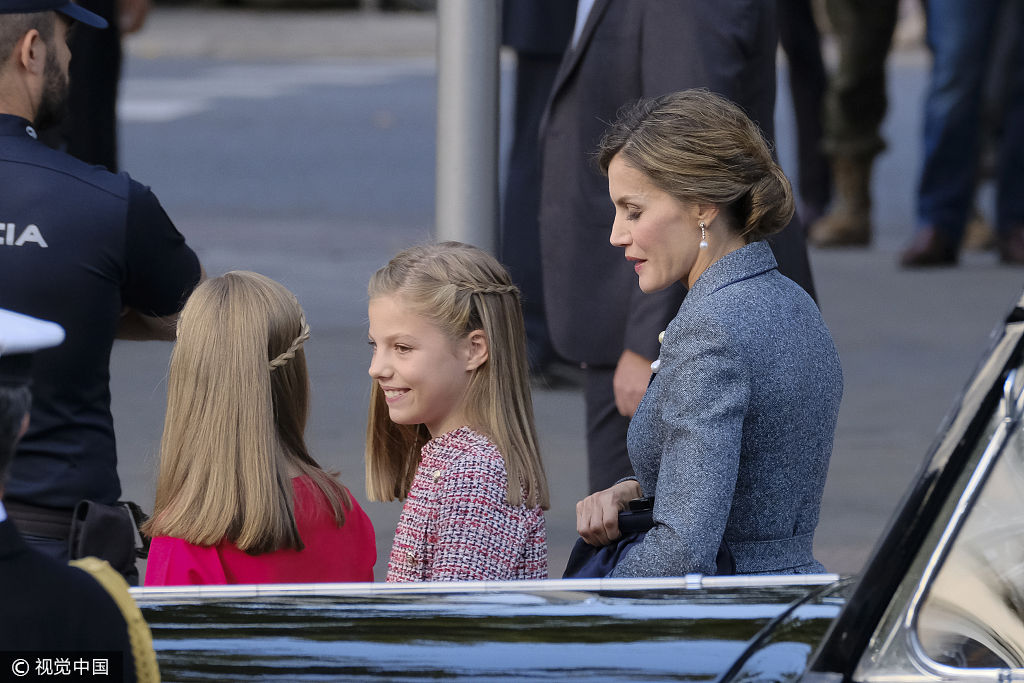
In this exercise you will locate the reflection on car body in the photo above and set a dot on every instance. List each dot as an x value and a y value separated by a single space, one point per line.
942 598
607 629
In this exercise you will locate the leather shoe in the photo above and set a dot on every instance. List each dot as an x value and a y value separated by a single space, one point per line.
1011 246
929 248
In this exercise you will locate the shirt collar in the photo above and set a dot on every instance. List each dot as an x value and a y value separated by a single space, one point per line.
582 13
11 125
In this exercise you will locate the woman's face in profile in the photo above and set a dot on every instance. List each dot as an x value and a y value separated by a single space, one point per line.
660 234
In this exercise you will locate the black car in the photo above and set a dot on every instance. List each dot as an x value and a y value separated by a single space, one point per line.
941 599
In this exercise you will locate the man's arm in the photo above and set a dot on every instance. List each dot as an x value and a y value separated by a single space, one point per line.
160 270
135 326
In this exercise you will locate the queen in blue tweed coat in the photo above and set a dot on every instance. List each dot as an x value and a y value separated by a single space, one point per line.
734 434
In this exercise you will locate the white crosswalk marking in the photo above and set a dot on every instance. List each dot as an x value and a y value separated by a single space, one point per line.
154 99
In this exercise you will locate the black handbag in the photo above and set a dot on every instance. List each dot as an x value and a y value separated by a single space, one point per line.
587 561
108 532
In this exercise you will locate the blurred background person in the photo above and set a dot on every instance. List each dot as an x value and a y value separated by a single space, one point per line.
855 106
538 31
961 37
89 131
801 42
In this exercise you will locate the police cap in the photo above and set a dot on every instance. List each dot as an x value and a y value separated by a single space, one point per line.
20 337
65 7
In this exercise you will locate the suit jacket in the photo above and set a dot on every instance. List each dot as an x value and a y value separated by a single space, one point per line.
734 434
50 607
537 27
631 49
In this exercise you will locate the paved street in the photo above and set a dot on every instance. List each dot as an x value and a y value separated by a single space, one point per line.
301 145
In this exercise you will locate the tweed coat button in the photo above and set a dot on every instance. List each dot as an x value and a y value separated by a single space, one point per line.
437 475
411 557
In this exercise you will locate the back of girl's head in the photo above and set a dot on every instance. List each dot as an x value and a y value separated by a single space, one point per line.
701 148
237 403
459 289
242 334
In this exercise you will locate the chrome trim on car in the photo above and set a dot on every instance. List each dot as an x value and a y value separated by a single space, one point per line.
1011 407
1008 413
166 594
942 549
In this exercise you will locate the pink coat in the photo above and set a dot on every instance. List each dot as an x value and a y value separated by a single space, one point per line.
331 554
457 525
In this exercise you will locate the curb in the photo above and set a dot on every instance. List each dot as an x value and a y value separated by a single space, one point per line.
252 34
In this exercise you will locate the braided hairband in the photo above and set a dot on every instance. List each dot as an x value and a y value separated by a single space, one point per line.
295 346
490 289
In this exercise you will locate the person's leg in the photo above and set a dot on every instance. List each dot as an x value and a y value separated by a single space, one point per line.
959 35
855 107
856 100
1010 169
801 41
90 132
519 248
790 249
607 458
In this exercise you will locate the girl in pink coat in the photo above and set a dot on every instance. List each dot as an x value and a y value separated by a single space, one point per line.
239 498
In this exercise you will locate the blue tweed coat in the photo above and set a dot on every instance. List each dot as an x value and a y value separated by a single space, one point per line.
734 434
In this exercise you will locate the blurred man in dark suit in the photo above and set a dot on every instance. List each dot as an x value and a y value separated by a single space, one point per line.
538 31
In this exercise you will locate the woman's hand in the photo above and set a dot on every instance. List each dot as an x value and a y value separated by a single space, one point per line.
632 374
597 515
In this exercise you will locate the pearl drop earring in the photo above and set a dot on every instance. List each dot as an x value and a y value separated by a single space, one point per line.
703 236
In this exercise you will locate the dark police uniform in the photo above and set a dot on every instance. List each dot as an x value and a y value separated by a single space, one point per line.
77 244
56 610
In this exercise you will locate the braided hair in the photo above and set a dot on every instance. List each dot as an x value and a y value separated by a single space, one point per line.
289 353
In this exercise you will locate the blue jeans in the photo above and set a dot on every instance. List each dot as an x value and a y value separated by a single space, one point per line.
961 36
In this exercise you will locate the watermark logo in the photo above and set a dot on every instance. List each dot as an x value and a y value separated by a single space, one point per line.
20 667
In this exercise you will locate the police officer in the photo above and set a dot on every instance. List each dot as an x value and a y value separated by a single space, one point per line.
96 253
49 607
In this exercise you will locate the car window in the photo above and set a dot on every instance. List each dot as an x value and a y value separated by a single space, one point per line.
958 614
973 613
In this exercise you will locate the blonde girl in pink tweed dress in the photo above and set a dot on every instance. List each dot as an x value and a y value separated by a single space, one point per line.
451 428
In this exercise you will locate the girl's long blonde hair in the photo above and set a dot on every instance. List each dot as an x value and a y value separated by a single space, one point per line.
460 288
237 402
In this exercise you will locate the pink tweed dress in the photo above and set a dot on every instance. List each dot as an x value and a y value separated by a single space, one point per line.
456 524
